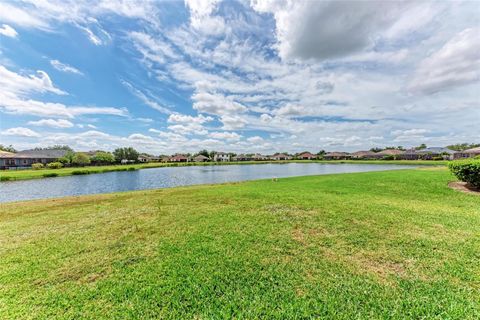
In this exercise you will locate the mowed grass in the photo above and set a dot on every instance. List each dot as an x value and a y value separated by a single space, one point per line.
377 245
7 175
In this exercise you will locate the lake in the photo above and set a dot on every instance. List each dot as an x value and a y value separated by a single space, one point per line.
170 177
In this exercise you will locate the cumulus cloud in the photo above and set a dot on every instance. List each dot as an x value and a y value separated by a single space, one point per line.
21 132
457 63
216 104
182 118
8 31
60 123
64 67
326 29
225 135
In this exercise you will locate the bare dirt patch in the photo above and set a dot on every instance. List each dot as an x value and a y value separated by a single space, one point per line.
463 187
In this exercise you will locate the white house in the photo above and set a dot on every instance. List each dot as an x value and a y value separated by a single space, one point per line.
221 157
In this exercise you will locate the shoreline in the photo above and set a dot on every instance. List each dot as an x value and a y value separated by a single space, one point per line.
28 174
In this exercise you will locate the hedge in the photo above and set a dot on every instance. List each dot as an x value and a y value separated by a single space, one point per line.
467 171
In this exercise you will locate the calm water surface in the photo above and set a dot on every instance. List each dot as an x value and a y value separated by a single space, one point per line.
169 177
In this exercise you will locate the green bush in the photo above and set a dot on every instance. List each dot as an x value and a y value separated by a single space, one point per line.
80 172
5 178
132 169
54 165
437 158
50 175
467 171
37 166
390 157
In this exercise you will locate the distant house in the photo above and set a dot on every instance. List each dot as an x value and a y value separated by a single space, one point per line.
201 158
469 153
221 157
363 155
428 153
337 156
259 157
395 153
306 156
26 158
178 158
280 157
242 157
144 158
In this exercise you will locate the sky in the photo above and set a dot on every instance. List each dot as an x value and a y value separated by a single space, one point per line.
239 76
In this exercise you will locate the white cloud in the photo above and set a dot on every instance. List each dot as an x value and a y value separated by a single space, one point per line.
8 31
202 18
60 123
216 104
255 139
64 67
225 135
327 29
21 132
457 63
145 99
17 84
182 118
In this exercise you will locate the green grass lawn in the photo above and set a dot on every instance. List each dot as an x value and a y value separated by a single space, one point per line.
7 175
377 245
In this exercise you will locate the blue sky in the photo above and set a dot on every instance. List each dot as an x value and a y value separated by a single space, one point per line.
241 76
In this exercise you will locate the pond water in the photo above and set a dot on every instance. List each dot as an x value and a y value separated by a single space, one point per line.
170 177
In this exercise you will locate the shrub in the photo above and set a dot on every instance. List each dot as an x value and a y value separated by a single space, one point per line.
50 175
80 172
389 157
37 166
467 171
437 158
5 178
132 169
80 159
54 165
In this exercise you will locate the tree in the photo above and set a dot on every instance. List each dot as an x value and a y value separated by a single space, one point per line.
55 147
80 159
420 147
376 149
67 158
7 148
204 153
321 152
463 146
103 157
125 154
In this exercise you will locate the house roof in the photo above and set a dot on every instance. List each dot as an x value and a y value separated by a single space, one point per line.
48 154
363 153
436 150
280 155
201 157
336 154
306 154
389 152
6 154
472 150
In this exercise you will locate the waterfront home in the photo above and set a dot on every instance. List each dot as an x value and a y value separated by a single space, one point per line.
242 157
306 156
469 153
337 156
221 157
6 159
259 157
178 158
280 157
363 155
201 158
389 153
25 159
428 154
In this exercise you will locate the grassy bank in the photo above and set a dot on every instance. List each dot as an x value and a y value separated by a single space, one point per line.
396 245
10 175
